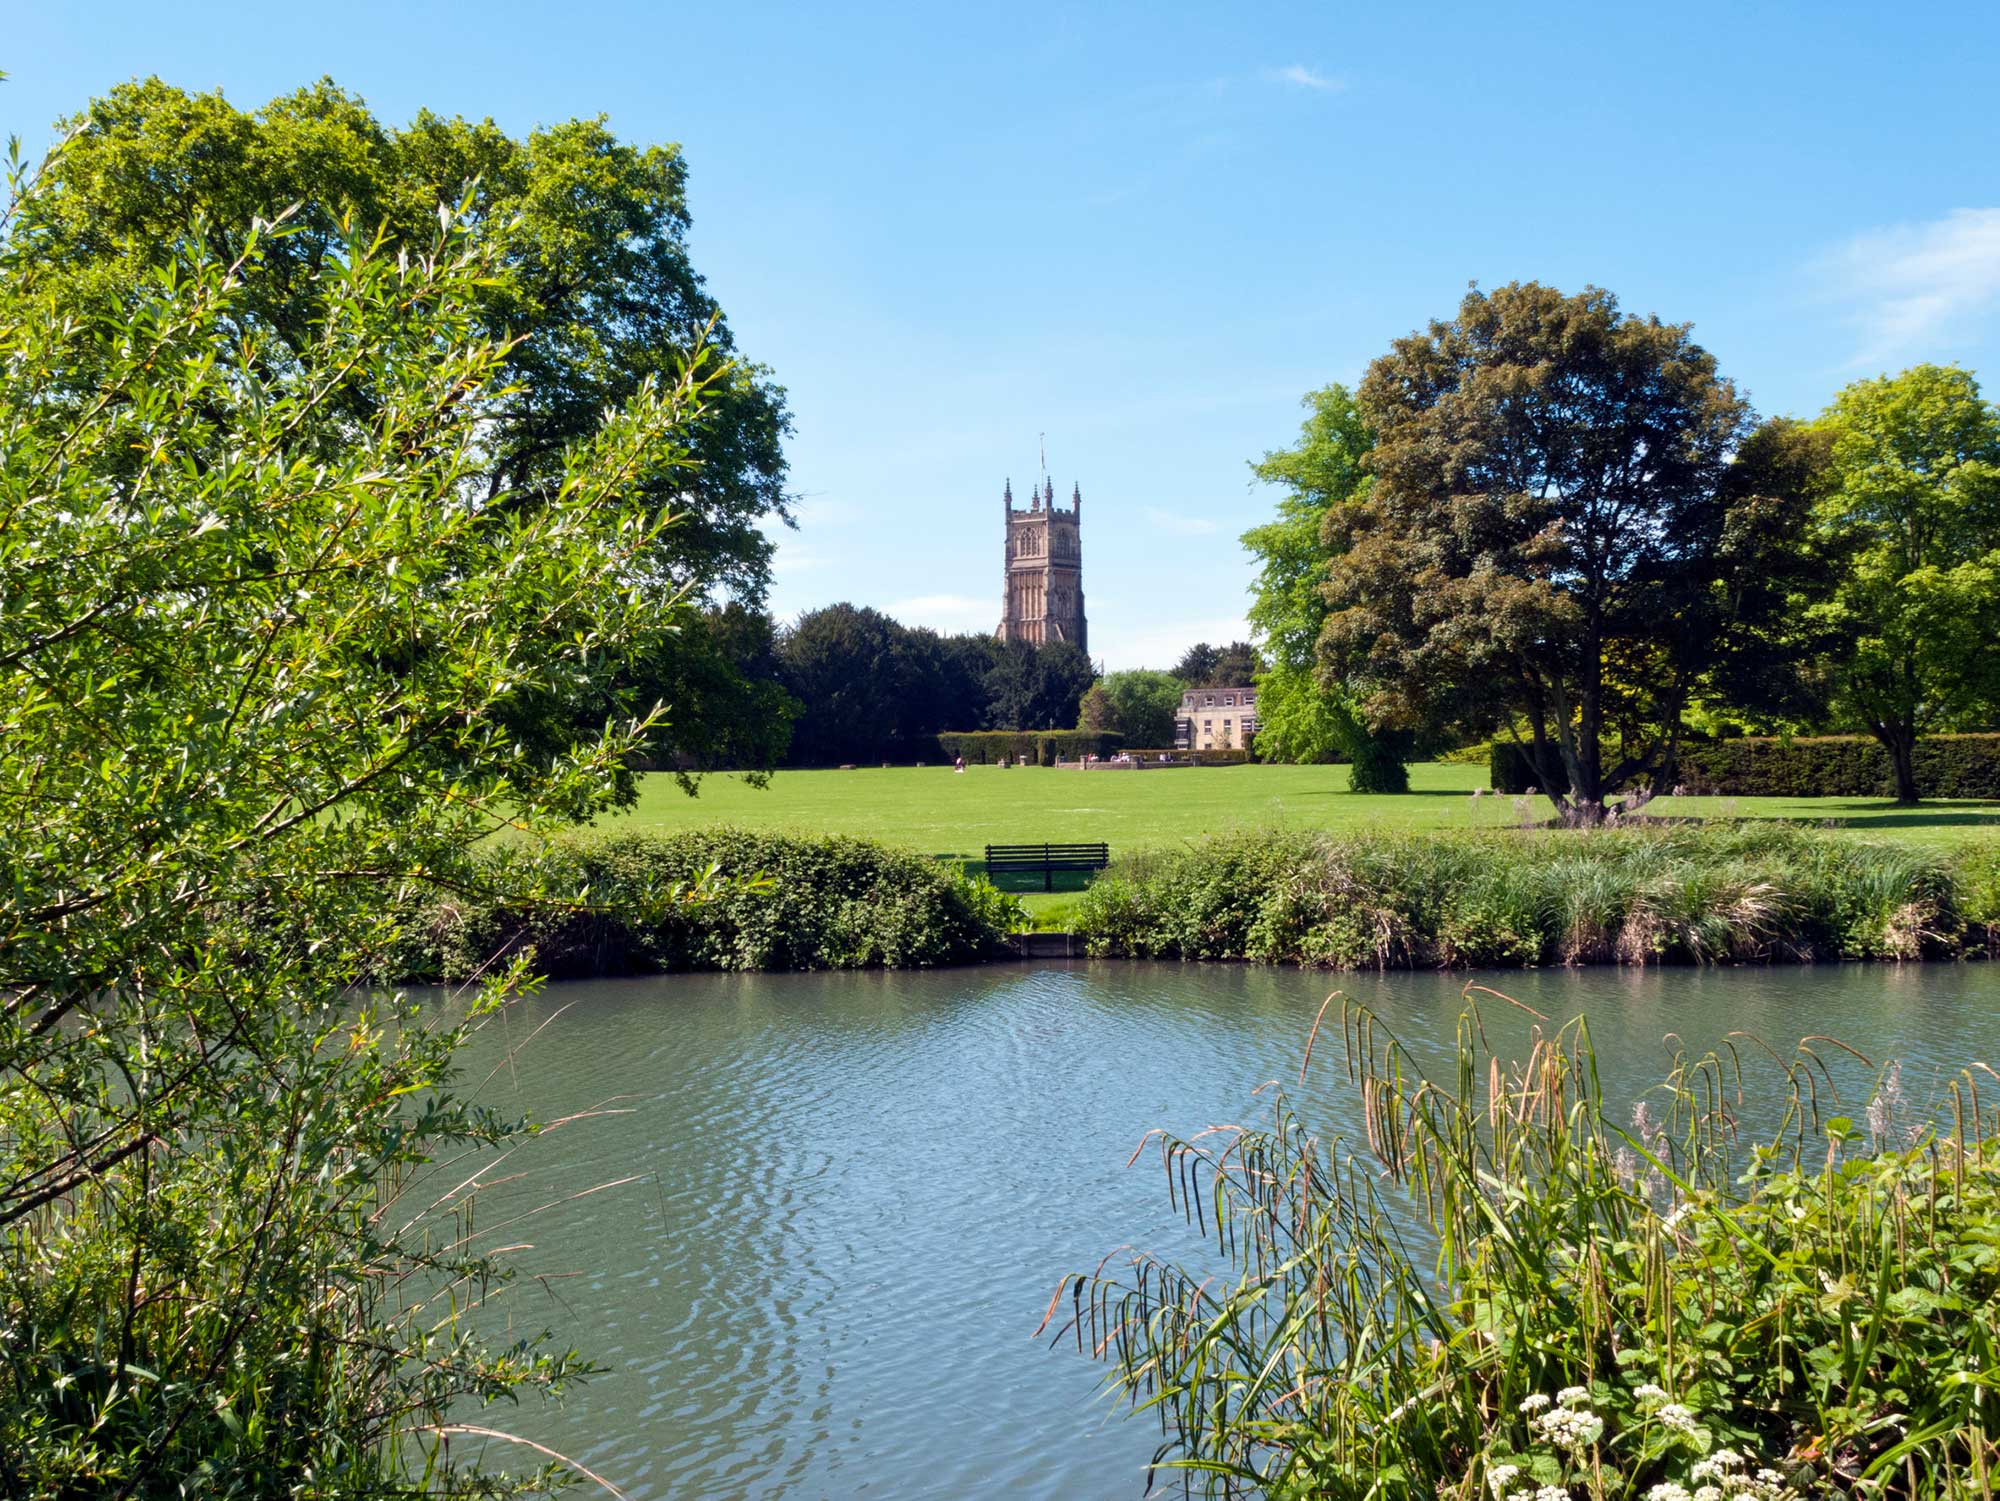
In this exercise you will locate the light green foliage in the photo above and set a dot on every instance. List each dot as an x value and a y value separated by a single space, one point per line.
1144 703
1512 1284
264 617
1304 713
589 290
1914 508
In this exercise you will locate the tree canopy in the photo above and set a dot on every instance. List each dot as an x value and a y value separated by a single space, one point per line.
591 290
1912 506
1549 490
1305 713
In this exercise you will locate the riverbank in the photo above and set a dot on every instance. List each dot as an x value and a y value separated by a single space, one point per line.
1503 899
1694 894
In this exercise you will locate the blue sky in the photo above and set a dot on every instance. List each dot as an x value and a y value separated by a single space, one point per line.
1146 231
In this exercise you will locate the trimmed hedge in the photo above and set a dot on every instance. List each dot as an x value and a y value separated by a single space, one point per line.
833 902
1043 747
1947 766
1683 894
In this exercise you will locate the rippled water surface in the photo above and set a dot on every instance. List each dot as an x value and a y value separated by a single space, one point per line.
855 1192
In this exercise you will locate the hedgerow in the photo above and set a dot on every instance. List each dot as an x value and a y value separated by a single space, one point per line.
1043 747
1947 766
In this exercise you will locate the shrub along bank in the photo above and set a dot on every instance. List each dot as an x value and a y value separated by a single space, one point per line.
1505 899
1947 766
723 899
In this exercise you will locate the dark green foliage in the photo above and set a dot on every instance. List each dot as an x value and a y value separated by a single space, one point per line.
1231 666
1947 766
872 689
986 747
1380 762
1682 895
1545 533
1035 687
781 902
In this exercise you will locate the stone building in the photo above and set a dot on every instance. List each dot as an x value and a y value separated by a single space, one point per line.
1043 599
1216 719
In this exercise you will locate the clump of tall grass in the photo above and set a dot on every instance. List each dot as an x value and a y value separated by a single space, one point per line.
1510 1293
1506 899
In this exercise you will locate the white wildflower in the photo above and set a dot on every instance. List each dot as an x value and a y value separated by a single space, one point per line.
1707 1493
1499 1477
1666 1490
1551 1493
1570 1429
1649 1396
1676 1417
1573 1396
1534 1403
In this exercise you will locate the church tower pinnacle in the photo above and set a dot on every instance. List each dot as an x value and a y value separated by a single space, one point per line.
1042 598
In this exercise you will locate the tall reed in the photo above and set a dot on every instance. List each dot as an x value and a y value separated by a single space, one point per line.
1821 1299
1686 894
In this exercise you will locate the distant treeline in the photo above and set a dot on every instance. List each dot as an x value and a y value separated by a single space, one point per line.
845 683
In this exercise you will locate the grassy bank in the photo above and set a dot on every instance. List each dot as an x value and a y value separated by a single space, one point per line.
727 899
1688 894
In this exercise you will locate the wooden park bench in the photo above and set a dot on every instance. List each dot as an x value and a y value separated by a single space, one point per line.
1003 859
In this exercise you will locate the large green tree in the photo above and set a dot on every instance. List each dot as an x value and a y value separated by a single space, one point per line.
1305 713
1913 509
1144 703
592 285
1549 490
264 621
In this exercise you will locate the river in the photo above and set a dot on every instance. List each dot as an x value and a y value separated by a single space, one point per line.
855 1192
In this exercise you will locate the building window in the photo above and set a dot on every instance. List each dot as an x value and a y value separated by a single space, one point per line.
1229 699
1209 701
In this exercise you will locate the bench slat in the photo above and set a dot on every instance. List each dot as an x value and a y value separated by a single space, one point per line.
1047 858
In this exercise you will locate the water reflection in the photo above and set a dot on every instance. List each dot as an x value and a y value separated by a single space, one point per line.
856 1191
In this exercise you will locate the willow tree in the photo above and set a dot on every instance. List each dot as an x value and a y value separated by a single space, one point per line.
1549 489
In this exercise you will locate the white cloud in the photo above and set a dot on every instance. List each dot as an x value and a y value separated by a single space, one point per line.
946 612
1177 525
1304 77
1912 285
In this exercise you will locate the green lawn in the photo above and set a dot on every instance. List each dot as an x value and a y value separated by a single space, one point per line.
941 812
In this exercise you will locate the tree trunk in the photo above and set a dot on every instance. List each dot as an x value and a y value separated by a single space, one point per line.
1900 741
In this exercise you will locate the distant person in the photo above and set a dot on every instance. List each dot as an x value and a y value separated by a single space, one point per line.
958 765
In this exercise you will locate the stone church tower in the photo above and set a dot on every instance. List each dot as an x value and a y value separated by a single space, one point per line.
1044 591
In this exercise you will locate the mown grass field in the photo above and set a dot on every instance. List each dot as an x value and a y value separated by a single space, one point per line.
953 816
